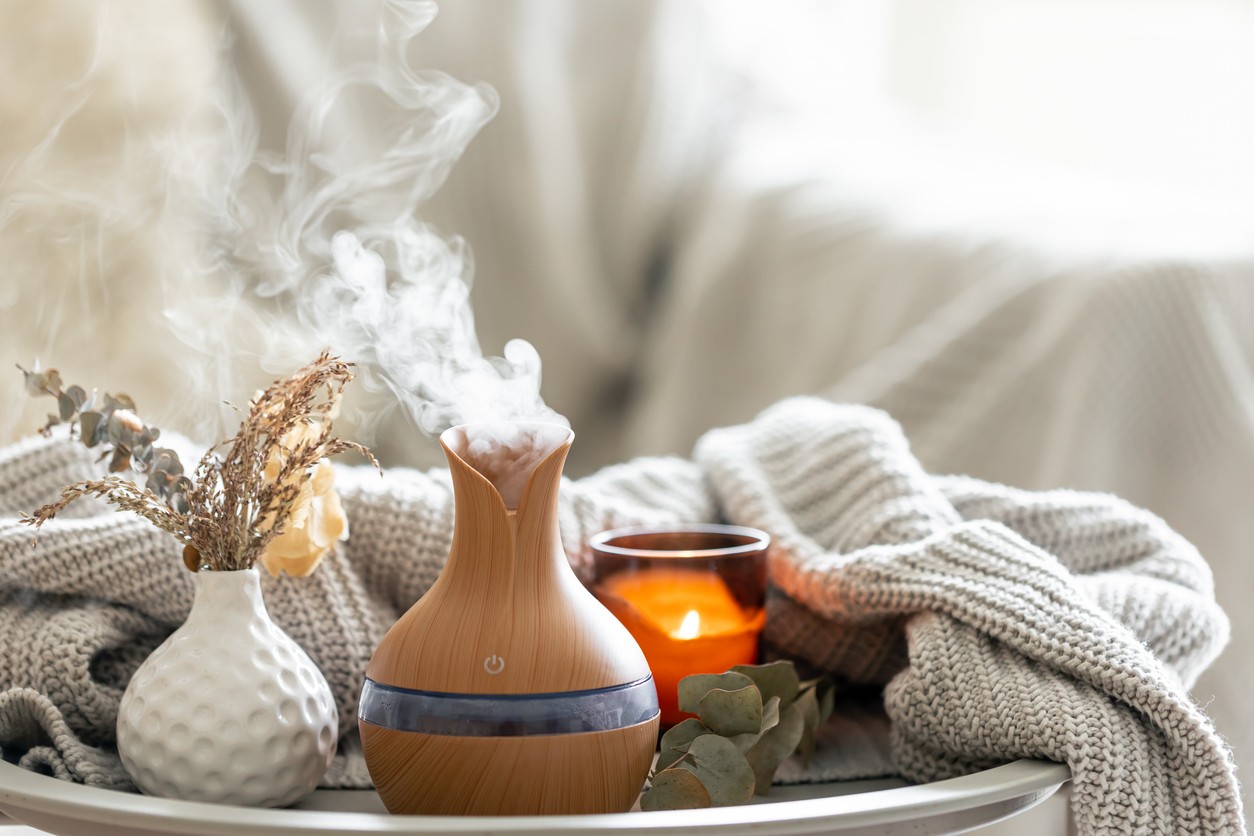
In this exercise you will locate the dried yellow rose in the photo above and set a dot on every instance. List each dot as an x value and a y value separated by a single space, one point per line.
316 523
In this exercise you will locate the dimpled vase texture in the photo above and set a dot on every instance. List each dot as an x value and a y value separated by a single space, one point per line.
229 709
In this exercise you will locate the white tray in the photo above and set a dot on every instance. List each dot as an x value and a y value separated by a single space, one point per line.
882 806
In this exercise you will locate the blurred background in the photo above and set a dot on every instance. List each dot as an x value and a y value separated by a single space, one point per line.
1024 228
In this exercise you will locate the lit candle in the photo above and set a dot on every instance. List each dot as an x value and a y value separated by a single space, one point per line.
691 598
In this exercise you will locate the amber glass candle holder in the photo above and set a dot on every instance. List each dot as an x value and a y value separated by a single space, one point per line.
692 596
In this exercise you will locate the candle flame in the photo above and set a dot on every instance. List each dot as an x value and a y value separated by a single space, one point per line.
690 626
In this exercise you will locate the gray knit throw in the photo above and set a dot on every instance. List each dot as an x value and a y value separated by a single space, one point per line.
1001 623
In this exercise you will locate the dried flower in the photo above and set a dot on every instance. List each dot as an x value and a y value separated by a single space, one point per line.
247 490
317 520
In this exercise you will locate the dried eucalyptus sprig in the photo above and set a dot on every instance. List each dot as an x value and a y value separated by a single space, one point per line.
748 721
126 441
246 488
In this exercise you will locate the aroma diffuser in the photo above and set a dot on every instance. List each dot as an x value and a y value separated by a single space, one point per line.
508 689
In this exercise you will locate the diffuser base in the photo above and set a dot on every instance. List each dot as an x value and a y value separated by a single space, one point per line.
442 775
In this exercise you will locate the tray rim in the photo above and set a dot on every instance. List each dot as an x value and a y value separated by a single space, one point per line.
1029 781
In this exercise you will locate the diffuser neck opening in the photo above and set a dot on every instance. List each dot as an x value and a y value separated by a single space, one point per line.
506 453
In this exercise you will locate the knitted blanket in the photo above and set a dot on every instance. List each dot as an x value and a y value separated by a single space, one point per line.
1000 623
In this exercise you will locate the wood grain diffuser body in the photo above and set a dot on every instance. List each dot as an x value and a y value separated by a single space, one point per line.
507 689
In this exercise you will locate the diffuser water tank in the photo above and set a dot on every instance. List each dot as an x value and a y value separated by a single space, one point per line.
508 689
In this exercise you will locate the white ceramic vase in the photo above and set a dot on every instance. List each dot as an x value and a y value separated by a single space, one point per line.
229 709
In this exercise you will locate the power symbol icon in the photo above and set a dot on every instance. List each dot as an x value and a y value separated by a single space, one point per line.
494 664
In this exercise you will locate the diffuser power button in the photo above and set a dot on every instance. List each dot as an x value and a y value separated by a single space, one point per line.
494 664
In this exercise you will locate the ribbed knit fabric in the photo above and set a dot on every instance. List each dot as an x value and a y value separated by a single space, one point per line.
1001 623
1054 625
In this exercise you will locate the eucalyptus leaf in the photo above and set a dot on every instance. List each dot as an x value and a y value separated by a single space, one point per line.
124 401
47 382
775 745
158 483
770 714
675 789
167 461
121 460
808 705
774 679
77 394
827 700
89 425
722 768
675 742
142 453
33 381
745 742
117 431
693 688
66 406
770 717
732 712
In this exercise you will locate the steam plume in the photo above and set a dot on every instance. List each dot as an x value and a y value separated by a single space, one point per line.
340 251
317 246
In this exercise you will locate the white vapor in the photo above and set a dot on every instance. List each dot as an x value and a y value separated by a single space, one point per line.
324 246
149 239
